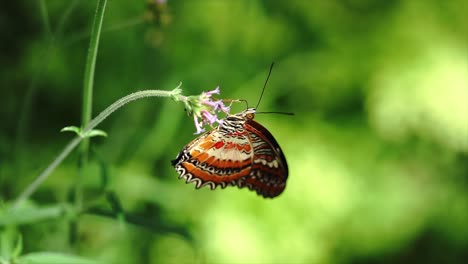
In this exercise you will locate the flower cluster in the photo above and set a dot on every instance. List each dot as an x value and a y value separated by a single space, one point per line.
204 109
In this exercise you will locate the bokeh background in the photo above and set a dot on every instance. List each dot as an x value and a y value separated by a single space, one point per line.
377 148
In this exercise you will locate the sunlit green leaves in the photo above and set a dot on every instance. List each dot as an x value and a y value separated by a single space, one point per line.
29 213
53 258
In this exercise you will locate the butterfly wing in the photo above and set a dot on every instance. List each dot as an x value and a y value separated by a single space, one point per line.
248 158
215 159
269 167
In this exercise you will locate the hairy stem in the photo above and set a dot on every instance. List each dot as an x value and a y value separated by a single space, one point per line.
175 94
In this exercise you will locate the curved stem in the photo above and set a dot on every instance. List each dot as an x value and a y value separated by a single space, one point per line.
39 179
125 100
175 94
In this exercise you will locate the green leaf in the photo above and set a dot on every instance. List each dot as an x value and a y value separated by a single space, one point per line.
8 235
18 247
31 214
53 258
114 202
96 133
79 132
74 129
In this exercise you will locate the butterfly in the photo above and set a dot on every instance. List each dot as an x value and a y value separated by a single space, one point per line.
238 152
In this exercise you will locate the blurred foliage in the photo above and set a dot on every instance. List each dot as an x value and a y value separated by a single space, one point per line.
377 149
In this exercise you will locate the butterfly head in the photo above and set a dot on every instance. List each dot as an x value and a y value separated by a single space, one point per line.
248 113
237 121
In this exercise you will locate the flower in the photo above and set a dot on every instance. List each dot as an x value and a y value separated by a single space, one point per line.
204 109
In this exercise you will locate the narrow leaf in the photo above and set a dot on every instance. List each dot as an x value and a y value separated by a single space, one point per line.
74 129
18 247
30 214
96 133
53 258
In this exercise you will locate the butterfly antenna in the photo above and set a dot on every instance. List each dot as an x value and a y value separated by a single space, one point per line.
264 86
281 113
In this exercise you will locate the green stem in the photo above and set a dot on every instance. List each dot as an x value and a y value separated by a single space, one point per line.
88 95
175 94
127 99
45 17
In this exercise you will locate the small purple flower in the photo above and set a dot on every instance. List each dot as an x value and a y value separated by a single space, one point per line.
198 125
210 93
204 109
218 105
208 117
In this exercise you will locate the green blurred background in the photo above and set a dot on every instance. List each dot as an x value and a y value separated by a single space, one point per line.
377 149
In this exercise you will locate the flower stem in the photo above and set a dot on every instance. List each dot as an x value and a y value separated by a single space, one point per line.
88 96
175 94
